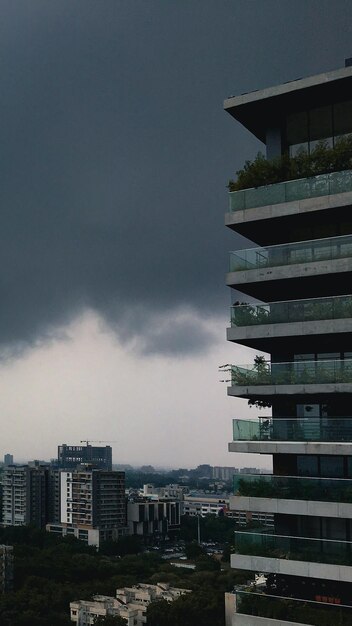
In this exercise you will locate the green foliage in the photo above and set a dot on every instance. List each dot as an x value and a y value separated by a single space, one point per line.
207 563
212 528
193 550
109 620
322 160
204 607
158 613
287 609
131 544
51 572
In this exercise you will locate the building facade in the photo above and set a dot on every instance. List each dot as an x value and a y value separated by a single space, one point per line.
297 276
8 459
25 495
69 457
92 505
6 568
148 517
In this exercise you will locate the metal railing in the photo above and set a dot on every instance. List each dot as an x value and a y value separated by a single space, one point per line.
293 373
300 189
293 548
293 487
323 613
326 249
331 308
293 429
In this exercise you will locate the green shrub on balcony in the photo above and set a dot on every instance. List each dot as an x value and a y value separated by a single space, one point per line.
322 160
295 611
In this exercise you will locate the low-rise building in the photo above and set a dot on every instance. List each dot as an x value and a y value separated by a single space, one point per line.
84 612
218 504
130 604
171 492
146 516
205 504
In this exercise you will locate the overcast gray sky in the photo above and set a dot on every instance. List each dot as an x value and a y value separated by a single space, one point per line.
115 155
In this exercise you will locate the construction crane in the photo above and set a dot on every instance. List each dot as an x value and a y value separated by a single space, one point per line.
89 441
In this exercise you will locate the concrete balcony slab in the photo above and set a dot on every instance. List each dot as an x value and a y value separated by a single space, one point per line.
265 336
291 507
253 620
307 569
291 447
260 391
285 209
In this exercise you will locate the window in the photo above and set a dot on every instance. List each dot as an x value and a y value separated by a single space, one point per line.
331 466
320 126
305 129
307 465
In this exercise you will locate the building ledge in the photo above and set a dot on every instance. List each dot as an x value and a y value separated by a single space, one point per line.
287 209
314 508
291 447
289 271
268 333
258 391
259 109
253 620
307 569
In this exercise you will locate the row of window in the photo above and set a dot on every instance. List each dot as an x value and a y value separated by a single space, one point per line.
324 466
306 128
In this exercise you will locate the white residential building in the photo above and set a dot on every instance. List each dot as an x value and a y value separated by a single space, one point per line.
130 604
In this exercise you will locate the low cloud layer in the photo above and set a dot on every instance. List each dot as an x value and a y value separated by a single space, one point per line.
115 153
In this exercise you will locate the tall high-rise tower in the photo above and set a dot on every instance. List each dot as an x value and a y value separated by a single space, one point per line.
295 281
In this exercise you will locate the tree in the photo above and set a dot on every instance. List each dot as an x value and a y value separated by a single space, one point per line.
158 613
193 550
206 563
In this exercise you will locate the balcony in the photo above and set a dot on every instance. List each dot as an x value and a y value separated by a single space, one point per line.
305 322
293 270
294 488
266 380
291 311
291 191
290 548
293 429
265 213
327 249
328 611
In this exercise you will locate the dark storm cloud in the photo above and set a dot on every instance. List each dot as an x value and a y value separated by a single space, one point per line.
115 152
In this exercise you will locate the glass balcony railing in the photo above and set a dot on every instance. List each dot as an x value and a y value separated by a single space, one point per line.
332 308
294 548
325 249
301 189
293 488
324 613
293 373
293 429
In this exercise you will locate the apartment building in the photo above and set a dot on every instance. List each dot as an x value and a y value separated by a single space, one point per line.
296 273
92 505
25 495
